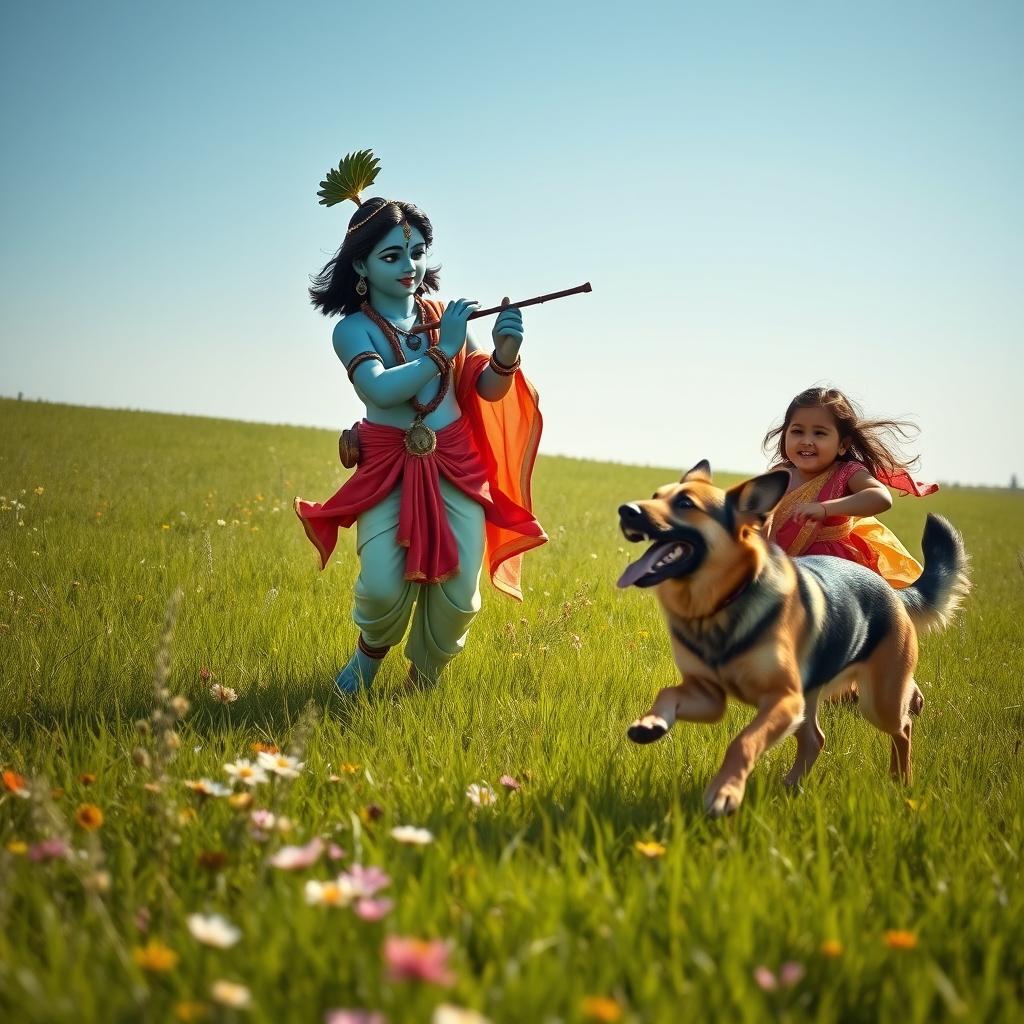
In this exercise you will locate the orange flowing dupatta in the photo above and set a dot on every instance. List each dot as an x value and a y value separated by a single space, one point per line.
507 434
865 540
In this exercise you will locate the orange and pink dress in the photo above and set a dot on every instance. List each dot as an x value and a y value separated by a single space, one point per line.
864 540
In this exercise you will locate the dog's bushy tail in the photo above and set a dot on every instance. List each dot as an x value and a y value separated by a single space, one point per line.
941 588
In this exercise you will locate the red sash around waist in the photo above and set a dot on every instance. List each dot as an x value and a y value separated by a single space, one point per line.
423 526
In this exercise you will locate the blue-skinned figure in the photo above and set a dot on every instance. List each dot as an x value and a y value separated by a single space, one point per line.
445 450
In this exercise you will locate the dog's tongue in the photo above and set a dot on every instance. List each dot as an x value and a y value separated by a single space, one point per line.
642 566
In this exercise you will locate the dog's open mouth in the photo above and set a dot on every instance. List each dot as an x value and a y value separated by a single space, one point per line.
660 561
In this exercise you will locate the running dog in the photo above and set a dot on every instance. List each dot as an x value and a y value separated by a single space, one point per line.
749 622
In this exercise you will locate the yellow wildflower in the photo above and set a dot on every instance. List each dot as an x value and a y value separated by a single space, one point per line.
601 1008
155 956
191 1010
89 817
898 938
651 849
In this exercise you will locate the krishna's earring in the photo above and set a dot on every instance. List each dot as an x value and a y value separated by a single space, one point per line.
361 285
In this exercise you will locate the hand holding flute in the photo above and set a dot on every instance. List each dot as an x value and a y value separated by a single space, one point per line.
506 335
476 313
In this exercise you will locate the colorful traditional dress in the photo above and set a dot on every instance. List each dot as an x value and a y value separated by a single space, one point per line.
859 539
427 522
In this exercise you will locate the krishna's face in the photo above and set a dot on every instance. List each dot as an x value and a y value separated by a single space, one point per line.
397 264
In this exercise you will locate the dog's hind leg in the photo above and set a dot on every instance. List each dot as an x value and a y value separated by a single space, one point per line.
691 701
900 761
916 700
887 694
810 741
774 721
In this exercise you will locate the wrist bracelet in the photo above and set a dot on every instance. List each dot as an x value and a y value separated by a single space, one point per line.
501 369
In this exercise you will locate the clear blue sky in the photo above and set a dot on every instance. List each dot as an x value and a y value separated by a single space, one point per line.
764 196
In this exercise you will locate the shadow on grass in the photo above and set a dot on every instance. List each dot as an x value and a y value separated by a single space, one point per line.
271 710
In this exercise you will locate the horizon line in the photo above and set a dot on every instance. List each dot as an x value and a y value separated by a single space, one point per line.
21 397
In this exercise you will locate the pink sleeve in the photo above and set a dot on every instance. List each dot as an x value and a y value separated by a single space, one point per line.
837 486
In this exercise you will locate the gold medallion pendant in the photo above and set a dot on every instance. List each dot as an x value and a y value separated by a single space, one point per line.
420 439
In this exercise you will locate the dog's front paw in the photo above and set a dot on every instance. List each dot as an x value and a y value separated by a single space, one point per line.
723 800
647 729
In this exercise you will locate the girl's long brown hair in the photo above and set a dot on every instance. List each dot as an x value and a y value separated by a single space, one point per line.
873 442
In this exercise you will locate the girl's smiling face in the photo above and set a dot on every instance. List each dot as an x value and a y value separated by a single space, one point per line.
812 440
398 263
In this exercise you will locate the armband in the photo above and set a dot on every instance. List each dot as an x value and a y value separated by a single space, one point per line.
361 358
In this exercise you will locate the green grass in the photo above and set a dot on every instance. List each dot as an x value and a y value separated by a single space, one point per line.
543 897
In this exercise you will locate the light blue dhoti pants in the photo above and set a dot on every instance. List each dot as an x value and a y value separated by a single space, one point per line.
385 599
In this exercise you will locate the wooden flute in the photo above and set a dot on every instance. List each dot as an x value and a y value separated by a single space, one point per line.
505 305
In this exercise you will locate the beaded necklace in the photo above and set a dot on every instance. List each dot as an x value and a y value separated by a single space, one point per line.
390 332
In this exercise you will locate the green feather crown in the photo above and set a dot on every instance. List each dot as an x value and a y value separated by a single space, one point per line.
356 172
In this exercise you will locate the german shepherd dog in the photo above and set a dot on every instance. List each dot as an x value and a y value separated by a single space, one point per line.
747 621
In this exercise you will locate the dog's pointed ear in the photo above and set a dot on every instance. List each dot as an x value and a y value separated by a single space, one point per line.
757 497
702 471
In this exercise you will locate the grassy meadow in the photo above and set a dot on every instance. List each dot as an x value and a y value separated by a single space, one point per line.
138 547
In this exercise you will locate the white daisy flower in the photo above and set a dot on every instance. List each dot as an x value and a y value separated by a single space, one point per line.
230 993
328 894
445 1013
412 835
205 787
482 795
280 764
247 772
213 930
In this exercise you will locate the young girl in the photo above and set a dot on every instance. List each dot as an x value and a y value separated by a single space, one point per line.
839 465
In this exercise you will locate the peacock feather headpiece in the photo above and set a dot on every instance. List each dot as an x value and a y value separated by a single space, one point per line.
355 173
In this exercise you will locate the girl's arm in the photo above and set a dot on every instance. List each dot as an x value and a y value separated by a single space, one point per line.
380 387
867 497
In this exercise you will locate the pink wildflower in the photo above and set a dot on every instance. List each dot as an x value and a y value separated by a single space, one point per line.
411 959
764 979
354 1017
374 910
511 783
295 858
48 849
790 973
263 820
364 882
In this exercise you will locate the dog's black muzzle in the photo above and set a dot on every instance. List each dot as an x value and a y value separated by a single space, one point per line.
675 552
634 523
